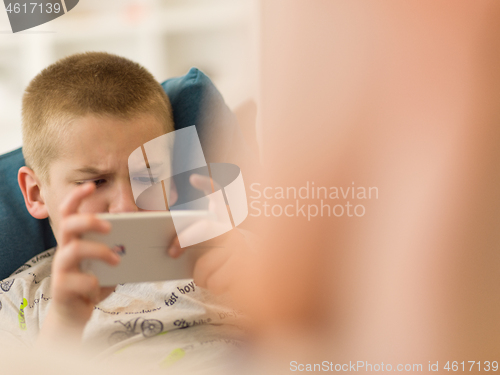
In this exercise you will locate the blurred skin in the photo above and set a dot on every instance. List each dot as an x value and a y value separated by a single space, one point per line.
403 96
90 176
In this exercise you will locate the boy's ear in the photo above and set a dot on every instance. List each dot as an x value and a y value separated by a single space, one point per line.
31 189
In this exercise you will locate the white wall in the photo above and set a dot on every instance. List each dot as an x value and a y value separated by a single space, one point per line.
166 36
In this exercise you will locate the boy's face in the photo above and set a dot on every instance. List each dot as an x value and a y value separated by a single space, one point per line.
97 149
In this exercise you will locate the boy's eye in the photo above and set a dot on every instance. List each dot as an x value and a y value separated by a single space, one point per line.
97 182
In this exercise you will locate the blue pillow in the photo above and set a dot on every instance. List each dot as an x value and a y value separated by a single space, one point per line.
220 136
195 101
21 236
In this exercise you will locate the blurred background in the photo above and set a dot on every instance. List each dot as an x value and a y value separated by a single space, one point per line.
167 37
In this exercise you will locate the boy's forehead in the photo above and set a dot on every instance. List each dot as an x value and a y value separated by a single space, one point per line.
102 142
93 131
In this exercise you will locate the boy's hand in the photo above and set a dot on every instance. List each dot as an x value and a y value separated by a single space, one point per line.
74 293
217 269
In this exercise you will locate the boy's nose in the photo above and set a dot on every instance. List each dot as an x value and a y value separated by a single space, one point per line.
122 200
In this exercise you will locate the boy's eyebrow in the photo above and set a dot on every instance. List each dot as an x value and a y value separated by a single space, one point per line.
97 171
91 170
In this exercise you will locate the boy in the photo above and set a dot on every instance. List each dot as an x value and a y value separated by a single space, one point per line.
82 117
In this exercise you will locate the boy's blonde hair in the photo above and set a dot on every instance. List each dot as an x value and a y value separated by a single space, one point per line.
94 83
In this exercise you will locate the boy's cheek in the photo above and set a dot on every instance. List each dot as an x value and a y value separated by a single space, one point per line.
94 205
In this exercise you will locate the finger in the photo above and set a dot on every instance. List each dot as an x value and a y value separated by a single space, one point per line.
67 287
204 183
69 257
217 270
211 271
71 203
76 225
174 249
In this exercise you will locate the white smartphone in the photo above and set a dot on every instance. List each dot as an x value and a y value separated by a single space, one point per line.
142 240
